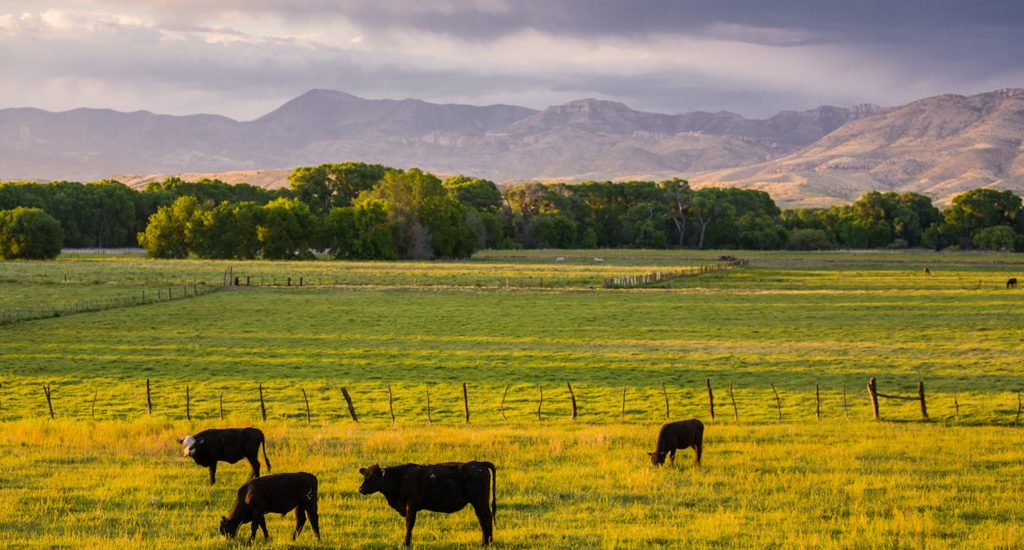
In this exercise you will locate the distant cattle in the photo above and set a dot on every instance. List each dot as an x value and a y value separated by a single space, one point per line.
231 445
445 488
276 494
678 435
1011 283
927 271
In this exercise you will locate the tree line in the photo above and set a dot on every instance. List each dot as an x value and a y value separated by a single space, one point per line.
355 210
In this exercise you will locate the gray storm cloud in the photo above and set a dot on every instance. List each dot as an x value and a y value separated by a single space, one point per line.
241 58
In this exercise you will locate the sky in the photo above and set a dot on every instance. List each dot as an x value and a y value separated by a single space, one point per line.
243 58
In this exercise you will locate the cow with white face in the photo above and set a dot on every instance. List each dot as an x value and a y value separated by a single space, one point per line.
209 447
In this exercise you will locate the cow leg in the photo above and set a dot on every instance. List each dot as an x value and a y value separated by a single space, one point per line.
483 515
213 473
314 521
410 522
300 520
255 463
255 527
672 456
698 449
263 526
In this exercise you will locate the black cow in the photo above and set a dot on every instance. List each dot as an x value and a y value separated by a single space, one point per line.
276 494
1011 283
678 435
446 488
211 446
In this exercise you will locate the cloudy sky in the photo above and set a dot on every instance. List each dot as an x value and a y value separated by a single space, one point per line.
243 58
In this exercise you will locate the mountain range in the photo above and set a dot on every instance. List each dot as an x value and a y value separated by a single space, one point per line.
939 146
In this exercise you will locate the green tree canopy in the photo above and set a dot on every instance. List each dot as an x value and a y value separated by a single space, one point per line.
172 231
287 229
29 233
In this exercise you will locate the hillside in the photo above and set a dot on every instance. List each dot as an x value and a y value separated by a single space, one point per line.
939 146
584 139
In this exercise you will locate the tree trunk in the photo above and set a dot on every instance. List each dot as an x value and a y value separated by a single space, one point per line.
703 229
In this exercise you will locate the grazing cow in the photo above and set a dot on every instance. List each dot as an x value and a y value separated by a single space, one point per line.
1011 283
678 435
211 446
446 488
276 494
927 271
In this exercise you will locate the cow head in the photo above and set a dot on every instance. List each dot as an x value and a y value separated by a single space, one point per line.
373 478
657 459
228 528
189 445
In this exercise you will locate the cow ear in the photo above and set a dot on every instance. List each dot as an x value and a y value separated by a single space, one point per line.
180 441
362 471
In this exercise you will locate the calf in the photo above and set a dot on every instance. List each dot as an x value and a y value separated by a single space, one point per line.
678 435
276 494
211 446
1011 283
445 488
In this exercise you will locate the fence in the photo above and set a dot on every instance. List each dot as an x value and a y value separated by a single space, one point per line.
568 401
632 281
142 297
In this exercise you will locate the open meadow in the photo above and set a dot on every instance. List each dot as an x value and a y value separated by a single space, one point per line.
512 326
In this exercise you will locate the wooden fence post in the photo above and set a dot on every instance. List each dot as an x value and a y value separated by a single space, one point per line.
735 413
846 410
920 394
956 407
572 396
778 402
149 399
873 394
540 403
263 406
429 420
665 392
507 386
188 404
1016 420
306 399
92 410
711 398
622 417
465 401
222 405
391 404
49 402
351 408
817 401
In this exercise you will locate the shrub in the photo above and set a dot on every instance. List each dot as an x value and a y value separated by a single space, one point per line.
808 239
29 233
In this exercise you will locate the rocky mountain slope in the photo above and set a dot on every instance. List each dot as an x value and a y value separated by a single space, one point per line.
939 146
579 140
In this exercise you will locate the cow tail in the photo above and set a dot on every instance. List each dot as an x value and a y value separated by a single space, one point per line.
263 444
494 490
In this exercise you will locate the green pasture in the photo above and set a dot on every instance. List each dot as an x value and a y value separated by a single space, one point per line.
833 484
808 322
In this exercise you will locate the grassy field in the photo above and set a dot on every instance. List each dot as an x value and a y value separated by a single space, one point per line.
107 474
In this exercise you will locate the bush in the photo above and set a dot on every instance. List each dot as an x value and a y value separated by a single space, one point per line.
808 239
998 237
898 244
29 233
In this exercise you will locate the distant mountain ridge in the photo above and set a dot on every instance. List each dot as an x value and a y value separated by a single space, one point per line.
821 156
939 146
